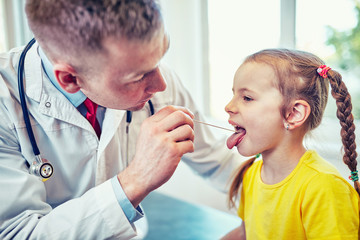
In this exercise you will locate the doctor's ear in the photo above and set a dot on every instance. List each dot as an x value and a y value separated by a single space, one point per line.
297 115
66 77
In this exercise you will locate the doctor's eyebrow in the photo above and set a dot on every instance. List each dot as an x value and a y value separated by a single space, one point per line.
147 71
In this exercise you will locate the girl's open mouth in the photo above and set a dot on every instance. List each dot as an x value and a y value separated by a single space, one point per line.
236 138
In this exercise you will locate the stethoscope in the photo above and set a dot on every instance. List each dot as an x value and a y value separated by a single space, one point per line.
128 121
41 167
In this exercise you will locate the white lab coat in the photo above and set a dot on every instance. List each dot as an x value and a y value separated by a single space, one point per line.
78 201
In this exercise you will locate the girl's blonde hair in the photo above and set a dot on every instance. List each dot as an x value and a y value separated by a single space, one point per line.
297 78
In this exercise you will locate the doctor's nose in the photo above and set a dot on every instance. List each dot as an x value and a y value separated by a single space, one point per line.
156 82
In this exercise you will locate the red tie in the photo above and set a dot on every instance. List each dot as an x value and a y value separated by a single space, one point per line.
91 115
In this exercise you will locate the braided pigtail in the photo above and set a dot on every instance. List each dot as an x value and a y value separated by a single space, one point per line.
344 107
238 178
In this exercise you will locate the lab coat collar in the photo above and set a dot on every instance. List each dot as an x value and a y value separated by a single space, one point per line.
51 101
75 98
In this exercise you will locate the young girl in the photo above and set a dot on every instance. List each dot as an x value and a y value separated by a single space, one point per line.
291 192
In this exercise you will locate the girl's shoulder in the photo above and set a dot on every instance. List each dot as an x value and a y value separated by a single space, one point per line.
323 176
314 161
256 166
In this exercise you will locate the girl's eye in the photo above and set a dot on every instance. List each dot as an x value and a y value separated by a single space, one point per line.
247 99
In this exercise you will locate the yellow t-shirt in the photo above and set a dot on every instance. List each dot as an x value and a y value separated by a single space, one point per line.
313 202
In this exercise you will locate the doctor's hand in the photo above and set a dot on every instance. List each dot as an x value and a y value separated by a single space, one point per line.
163 139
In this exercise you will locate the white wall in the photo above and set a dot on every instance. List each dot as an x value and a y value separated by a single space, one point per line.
186 23
16 31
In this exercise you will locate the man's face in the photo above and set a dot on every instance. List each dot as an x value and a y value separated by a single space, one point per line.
130 75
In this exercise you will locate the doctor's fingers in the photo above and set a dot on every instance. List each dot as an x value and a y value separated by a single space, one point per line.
168 110
175 120
182 138
185 147
182 133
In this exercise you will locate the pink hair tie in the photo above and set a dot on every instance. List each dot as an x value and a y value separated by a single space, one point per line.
322 70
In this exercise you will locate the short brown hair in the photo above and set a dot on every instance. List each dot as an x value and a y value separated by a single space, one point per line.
70 26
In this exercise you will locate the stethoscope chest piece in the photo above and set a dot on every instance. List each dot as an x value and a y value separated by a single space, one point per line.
42 168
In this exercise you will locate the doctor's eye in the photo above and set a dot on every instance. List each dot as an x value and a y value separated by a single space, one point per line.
143 77
139 80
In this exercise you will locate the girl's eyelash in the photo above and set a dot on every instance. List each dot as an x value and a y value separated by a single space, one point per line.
246 98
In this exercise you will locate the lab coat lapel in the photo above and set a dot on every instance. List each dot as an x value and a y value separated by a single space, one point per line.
109 152
110 126
60 108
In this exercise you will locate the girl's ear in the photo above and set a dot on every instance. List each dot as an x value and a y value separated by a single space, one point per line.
66 77
298 114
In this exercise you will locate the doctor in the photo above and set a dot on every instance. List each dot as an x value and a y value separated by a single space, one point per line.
108 53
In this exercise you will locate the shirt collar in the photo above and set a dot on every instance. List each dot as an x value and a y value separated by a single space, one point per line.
75 98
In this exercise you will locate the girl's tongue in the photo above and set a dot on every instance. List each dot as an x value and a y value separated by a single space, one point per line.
236 138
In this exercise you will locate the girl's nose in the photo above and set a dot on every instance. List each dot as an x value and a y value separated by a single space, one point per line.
230 108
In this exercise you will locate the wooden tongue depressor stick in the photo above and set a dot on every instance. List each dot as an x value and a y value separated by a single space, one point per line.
197 121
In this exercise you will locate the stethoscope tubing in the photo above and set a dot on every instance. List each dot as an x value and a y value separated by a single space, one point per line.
22 98
129 113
